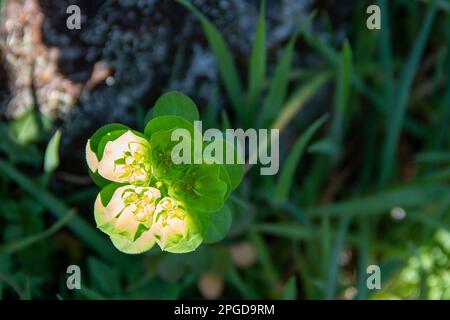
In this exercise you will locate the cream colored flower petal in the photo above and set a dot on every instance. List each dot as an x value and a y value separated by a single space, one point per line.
126 224
115 150
105 217
144 243
91 157
102 214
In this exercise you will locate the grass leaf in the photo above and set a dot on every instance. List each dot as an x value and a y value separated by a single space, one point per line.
258 60
278 85
284 182
51 159
378 203
403 92
224 59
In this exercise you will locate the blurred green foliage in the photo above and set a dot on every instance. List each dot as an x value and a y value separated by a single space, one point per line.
311 231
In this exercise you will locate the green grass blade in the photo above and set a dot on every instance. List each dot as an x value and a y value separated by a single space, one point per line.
51 159
227 68
278 85
291 231
299 98
386 53
290 289
284 182
406 197
342 96
264 257
316 43
334 260
402 97
363 253
236 280
258 60
21 244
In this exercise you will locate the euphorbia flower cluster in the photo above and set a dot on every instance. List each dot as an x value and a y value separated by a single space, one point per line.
147 198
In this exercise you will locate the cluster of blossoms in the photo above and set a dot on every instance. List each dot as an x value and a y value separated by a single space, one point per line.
148 198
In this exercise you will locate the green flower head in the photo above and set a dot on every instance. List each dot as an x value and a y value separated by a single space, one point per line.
151 192
129 210
125 157
174 228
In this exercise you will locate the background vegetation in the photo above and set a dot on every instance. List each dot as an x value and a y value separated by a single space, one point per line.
364 175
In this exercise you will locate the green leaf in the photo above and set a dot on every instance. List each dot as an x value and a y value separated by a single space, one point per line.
285 230
324 146
286 178
258 60
397 115
339 243
176 104
278 85
235 170
167 123
51 160
299 98
219 224
316 42
290 289
102 131
342 96
224 58
200 187
110 136
26 129
23 243
98 179
107 192
161 147
104 277
379 203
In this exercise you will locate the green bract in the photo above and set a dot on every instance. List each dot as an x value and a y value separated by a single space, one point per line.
151 192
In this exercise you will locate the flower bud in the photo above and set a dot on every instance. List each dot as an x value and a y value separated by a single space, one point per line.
126 159
129 209
175 230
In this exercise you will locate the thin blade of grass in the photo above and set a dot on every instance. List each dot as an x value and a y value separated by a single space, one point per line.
386 53
286 230
284 182
334 260
363 252
21 244
316 43
299 98
290 290
264 257
227 68
258 60
51 158
379 203
278 85
342 96
289 109
235 279
402 97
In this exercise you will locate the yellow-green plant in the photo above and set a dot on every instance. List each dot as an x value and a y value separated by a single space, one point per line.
148 198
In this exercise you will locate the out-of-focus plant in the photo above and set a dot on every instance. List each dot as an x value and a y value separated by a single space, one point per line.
146 196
